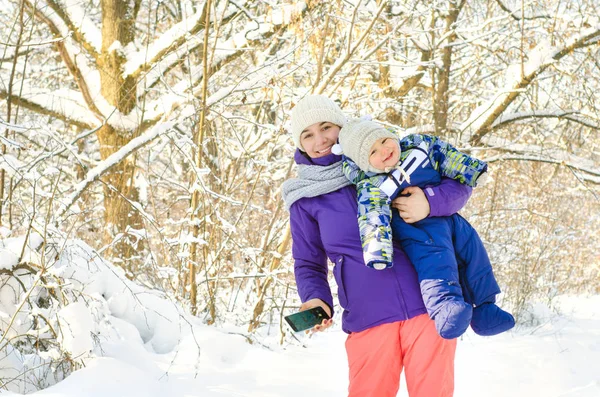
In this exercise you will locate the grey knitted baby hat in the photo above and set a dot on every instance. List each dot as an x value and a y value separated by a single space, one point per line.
356 139
314 109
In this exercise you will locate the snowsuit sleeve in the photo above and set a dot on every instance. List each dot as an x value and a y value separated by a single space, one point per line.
310 259
452 163
374 216
354 174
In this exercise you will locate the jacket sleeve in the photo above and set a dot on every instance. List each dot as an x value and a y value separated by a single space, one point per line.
374 223
447 198
310 259
374 216
454 164
352 172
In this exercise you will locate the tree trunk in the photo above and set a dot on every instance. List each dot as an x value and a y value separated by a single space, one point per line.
441 97
118 18
195 202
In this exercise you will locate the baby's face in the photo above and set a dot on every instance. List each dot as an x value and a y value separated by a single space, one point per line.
385 153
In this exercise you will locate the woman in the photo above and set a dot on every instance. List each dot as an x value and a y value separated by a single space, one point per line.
384 313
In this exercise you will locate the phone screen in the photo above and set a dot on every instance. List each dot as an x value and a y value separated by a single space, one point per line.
306 319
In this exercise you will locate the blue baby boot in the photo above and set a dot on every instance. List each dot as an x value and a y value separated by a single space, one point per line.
453 319
446 306
488 319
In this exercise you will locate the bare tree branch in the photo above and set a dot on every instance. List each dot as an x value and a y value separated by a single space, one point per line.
178 35
572 115
364 57
589 174
38 44
483 117
352 47
95 173
230 50
441 86
516 14
234 47
10 57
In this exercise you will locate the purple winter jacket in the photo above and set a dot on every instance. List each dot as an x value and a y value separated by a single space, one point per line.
326 227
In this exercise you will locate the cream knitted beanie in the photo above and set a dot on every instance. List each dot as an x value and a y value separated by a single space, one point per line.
356 139
314 109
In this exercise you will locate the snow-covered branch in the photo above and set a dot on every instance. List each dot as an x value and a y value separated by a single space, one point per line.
351 49
95 173
169 41
413 78
572 115
86 77
586 174
517 13
159 54
63 104
528 152
83 29
483 117
225 52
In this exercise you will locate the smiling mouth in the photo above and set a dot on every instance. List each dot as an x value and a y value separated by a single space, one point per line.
324 150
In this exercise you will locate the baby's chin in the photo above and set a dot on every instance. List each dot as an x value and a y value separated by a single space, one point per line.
392 162
389 166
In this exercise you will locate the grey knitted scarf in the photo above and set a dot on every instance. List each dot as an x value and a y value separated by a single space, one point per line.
312 181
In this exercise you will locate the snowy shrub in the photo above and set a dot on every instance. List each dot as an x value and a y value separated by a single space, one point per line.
60 301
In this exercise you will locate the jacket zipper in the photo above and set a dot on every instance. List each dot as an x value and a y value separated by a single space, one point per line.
340 262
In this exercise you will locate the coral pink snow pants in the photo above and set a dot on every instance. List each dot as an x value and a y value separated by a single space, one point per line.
377 355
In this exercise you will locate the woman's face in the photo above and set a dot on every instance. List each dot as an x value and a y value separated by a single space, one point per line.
317 139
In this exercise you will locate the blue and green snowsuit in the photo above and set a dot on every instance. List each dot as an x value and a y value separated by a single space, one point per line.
440 248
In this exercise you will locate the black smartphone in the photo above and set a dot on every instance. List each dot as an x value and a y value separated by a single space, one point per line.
306 319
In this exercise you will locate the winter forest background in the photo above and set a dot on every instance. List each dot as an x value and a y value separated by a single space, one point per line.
151 135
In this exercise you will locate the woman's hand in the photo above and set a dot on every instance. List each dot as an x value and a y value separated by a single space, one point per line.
325 323
414 207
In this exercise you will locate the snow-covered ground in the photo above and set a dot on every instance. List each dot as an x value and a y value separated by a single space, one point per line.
558 357
134 342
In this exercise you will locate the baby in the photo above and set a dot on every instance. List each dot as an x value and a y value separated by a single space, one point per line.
455 274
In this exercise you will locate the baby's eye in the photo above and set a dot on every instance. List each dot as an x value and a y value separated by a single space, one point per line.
373 152
384 139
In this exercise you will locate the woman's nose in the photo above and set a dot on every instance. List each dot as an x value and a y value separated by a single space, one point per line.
320 137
